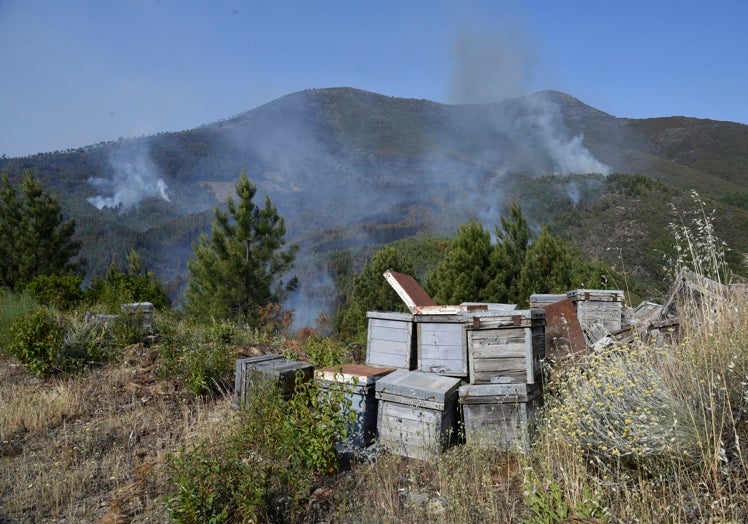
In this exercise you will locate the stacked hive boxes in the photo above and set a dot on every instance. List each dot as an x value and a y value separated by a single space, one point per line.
494 353
599 311
500 403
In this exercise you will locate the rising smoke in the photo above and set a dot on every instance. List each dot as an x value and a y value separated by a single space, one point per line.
499 63
134 177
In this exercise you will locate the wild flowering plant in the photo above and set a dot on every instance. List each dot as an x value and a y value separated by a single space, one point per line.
618 410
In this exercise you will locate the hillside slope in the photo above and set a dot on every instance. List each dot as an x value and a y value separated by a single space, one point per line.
349 168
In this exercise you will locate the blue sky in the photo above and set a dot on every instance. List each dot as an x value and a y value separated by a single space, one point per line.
74 72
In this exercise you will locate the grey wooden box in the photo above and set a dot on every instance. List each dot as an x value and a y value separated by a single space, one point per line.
500 415
598 307
391 340
417 415
358 381
507 348
440 344
269 368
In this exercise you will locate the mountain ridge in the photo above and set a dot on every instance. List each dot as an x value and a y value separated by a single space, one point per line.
349 168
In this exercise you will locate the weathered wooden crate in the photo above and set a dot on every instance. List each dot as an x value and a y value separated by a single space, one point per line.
273 369
358 381
417 413
598 310
500 415
505 348
440 344
544 299
391 340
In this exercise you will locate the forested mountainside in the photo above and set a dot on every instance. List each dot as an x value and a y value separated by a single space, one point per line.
350 170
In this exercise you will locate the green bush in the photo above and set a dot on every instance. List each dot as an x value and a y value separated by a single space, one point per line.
59 291
323 352
127 328
124 286
203 365
263 467
12 305
84 343
37 338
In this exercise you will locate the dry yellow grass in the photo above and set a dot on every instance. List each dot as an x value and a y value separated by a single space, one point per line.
94 447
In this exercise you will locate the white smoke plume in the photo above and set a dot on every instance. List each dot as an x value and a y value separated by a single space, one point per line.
497 63
134 177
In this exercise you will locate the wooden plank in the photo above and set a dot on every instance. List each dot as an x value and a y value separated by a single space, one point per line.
488 377
531 362
390 315
415 403
441 349
497 393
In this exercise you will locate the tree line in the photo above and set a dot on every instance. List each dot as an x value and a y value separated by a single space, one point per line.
240 271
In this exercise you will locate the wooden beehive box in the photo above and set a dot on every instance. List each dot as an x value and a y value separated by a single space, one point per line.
598 311
544 299
417 415
358 381
440 344
500 415
391 340
506 348
272 369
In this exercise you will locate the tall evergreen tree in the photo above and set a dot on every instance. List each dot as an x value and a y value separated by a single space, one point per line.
237 271
512 241
10 224
35 239
466 272
548 267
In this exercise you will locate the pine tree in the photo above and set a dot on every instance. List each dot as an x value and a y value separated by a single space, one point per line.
466 273
548 267
35 239
237 271
512 241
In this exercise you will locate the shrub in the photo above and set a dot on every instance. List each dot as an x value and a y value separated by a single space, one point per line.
12 305
202 363
36 339
59 291
263 467
84 343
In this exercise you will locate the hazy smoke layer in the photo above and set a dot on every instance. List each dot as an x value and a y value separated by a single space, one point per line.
134 178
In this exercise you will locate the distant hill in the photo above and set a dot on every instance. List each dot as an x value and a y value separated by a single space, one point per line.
350 169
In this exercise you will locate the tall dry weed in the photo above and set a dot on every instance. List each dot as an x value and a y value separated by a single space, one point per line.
657 432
